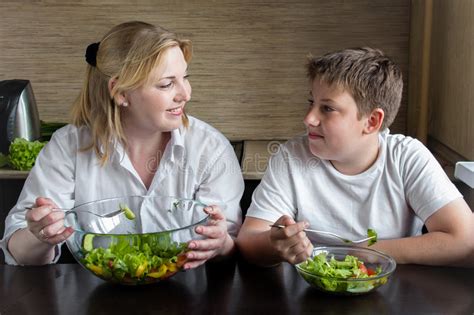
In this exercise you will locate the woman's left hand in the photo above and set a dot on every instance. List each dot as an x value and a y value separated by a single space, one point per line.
217 243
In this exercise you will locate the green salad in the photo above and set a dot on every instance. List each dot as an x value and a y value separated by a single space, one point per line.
132 259
328 273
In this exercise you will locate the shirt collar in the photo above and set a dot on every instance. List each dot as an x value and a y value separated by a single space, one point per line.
176 144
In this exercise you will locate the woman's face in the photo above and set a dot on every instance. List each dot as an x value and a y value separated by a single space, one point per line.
159 104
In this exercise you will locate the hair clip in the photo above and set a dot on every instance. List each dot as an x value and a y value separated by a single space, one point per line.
91 53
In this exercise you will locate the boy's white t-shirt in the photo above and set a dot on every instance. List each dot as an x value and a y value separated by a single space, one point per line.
395 196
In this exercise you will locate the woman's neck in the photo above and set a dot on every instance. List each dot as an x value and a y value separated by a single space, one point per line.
145 154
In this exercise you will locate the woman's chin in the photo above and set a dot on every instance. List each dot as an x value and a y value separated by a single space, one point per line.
169 121
171 125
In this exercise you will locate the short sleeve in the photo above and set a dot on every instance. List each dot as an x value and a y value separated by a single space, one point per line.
427 187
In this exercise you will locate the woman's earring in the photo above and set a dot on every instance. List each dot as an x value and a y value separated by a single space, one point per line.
125 104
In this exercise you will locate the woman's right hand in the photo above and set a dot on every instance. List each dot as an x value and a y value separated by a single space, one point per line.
47 224
291 242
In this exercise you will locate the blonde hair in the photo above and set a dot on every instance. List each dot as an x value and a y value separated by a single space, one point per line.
373 80
128 53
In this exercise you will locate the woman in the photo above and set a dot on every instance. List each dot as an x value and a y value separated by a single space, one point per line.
129 136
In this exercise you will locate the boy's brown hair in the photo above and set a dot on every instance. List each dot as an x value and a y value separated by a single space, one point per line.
373 80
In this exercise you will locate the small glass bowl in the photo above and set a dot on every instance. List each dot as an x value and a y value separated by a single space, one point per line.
372 259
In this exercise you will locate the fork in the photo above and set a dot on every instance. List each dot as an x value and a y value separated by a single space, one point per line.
107 215
345 240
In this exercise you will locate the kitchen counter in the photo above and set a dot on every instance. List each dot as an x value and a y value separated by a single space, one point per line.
6 173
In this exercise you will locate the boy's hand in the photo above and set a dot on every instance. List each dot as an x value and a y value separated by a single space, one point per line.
291 242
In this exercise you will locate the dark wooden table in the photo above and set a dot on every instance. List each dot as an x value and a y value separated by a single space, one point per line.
230 288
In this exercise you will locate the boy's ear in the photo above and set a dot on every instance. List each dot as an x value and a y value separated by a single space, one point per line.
374 121
119 97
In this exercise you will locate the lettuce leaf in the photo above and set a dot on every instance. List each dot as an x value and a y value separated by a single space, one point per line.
370 233
23 153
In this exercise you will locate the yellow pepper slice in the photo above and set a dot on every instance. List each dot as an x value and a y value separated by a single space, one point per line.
161 271
95 269
141 270
172 267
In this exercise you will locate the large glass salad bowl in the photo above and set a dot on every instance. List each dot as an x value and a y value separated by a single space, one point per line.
142 243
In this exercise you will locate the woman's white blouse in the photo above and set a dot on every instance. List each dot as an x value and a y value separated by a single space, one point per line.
198 163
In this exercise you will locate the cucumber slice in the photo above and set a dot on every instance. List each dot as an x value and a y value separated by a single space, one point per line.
87 242
126 210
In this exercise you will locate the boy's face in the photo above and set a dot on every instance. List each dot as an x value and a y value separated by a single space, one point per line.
335 132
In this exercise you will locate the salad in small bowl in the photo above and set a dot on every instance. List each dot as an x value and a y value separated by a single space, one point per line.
346 270
144 241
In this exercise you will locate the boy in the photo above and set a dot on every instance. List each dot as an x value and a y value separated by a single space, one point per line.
348 174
